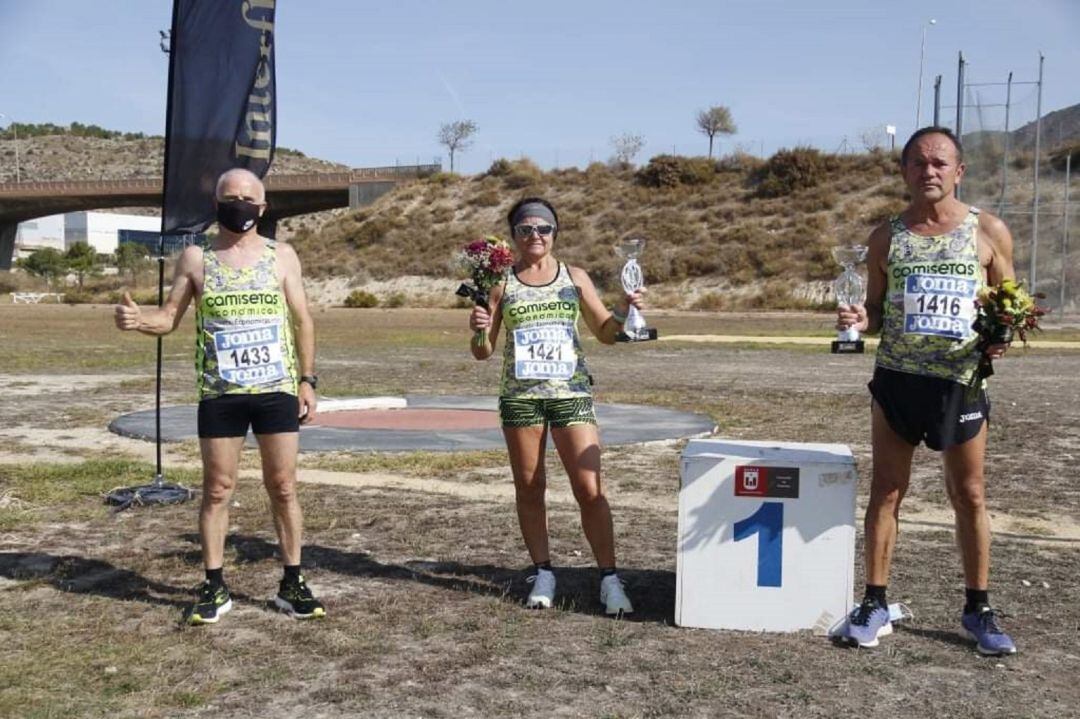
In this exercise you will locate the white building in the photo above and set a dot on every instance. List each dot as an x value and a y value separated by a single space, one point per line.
100 229
38 234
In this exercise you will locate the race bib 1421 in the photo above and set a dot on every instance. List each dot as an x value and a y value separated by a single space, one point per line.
544 352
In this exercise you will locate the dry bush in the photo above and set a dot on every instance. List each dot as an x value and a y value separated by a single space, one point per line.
19 282
441 214
816 199
486 198
712 302
442 179
523 173
791 170
883 210
739 163
675 170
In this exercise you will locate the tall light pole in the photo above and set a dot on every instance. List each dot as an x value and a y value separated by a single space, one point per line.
15 131
922 58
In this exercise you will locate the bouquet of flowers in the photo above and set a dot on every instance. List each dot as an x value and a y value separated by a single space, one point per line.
486 260
1004 311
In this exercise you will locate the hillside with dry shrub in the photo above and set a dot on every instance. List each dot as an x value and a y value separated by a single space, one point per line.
58 157
738 232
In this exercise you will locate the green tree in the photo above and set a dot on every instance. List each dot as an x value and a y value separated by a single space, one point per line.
715 121
46 262
457 137
82 260
131 257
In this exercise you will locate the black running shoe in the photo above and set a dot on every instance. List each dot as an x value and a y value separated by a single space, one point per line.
295 599
213 602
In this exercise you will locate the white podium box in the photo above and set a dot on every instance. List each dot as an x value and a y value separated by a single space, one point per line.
766 535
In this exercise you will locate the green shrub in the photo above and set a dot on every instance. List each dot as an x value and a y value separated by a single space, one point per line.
394 299
790 170
675 170
500 168
362 299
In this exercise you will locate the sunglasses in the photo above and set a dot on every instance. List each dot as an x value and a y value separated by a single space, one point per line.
523 231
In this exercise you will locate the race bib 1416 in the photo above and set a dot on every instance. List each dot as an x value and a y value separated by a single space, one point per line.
939 305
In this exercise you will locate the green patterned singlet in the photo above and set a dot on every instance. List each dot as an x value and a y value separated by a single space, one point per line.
542 357
244 337
930 302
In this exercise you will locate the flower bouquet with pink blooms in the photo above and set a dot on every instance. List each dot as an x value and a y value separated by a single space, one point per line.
487 261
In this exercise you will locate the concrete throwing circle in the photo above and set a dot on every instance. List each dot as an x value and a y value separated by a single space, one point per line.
431 423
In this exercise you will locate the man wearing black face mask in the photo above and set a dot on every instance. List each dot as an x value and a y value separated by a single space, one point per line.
255 366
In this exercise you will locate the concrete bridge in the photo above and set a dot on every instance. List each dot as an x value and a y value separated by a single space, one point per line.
288 195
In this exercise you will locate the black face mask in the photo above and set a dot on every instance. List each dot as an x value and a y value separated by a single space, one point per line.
238 216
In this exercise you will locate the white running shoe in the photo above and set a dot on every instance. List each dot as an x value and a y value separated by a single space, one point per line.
613 596
543 591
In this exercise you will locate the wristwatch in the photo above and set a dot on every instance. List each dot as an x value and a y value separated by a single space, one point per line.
311 379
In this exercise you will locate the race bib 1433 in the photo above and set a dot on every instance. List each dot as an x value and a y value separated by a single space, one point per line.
250 355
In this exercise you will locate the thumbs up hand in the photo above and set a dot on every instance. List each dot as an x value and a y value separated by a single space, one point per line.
128 314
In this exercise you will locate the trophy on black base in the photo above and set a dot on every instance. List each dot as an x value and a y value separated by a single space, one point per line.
634 329
849 288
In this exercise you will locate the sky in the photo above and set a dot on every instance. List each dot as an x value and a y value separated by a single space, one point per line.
369 83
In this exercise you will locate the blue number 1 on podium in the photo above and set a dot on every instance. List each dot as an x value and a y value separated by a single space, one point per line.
768 523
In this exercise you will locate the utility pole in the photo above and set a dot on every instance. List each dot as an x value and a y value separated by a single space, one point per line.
922 58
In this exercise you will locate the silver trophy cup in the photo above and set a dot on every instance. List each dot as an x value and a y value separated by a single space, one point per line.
850 289
634 329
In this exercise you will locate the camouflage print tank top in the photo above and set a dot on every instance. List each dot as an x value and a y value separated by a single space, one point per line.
244 341
930 302
542 357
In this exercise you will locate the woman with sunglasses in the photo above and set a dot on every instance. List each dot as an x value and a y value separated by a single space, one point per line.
546 384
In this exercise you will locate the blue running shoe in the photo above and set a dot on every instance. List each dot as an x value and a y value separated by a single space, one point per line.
982 626
866 624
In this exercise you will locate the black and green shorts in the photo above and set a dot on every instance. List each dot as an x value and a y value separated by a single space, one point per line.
554 412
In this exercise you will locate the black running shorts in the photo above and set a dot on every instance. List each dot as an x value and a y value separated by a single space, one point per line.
230 415
937 411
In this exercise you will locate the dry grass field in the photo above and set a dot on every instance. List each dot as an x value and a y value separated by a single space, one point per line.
422 569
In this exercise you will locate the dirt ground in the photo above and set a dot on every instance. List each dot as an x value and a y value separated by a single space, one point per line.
422 568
